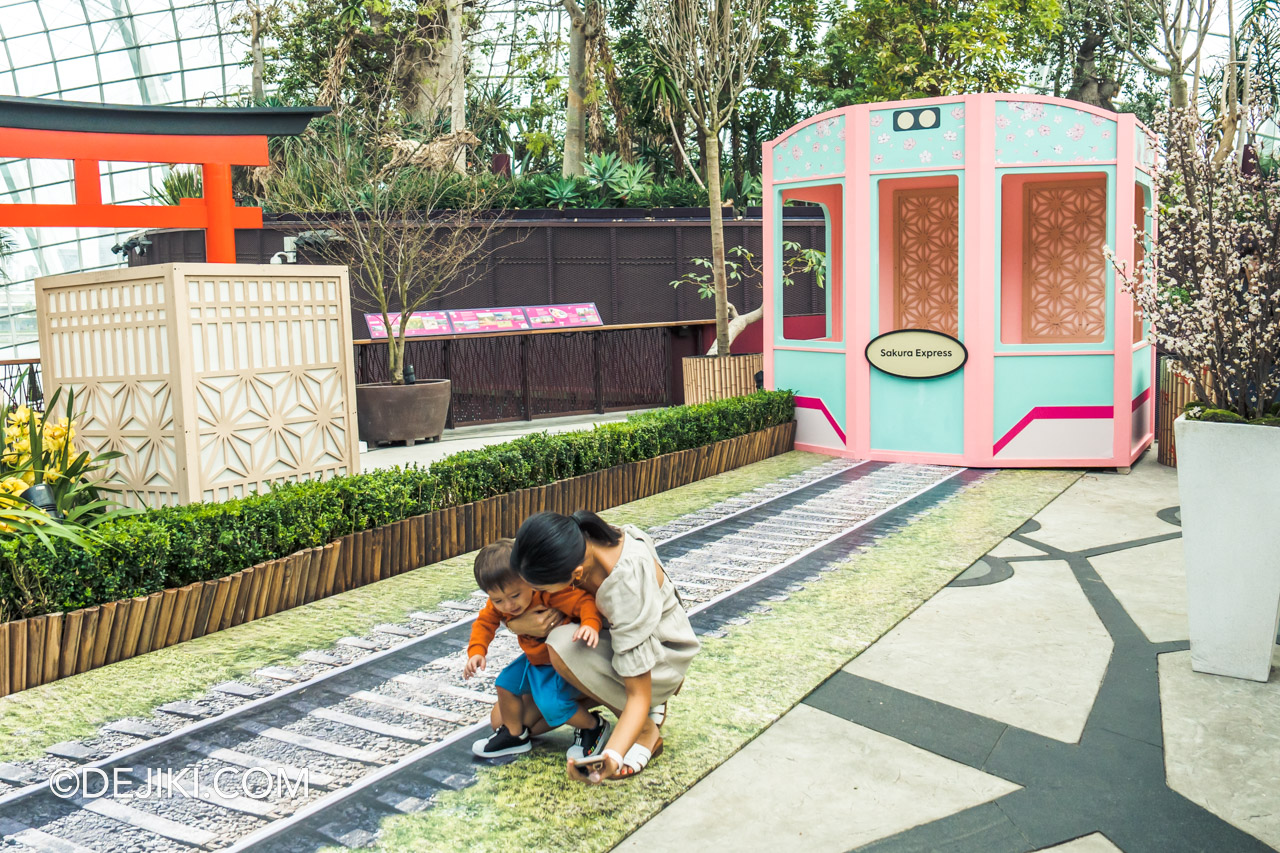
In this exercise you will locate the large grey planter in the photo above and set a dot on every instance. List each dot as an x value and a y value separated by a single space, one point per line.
407 413
1229 485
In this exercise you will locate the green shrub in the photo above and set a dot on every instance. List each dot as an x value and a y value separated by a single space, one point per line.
1199 411
174 546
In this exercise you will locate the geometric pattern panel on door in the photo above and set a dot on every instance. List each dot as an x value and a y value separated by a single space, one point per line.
926 279
1064 281
268 356
214 380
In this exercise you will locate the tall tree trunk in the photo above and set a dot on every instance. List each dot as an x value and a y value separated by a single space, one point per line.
702 155
575 118
717 243
1086 86
735 143
457 81
255 47
395 352
613 89
678 155
1178 89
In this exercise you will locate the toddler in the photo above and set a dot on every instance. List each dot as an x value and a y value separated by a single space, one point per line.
530 691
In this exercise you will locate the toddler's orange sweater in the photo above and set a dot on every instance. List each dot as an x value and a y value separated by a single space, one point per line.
577 604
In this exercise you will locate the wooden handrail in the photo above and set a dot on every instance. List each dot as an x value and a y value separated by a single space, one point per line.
513 332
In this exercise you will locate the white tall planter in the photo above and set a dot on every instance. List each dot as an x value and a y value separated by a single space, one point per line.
1229 484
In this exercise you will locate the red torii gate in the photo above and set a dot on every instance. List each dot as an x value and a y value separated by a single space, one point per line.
215 138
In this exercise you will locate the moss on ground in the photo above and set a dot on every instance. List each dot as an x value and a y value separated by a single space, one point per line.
739 685
75 707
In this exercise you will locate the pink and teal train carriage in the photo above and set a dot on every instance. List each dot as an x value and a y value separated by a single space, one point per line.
978 221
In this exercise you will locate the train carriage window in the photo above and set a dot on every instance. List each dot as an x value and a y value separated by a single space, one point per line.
812 306
1054 288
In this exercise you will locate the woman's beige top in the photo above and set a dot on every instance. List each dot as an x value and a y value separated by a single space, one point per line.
649 630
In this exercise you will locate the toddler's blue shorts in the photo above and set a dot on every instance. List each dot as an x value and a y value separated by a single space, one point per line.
555 697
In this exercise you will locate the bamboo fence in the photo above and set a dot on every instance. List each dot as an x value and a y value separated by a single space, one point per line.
46 648
1175 393
708 378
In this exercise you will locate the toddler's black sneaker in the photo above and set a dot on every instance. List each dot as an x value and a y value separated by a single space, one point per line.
587 742
502 742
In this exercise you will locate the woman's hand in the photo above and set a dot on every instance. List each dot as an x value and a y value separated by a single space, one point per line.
594 774
536 621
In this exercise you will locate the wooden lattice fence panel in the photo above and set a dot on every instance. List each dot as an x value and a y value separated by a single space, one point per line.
214 380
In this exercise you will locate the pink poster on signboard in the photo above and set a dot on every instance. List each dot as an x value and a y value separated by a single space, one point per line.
472 320
421 324
563 316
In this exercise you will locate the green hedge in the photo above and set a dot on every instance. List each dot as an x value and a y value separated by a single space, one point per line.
175 546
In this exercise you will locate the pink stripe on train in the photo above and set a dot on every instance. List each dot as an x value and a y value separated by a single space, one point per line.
816 404
1055 412
1064 413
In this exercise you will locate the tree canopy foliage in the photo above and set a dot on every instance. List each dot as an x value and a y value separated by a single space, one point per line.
880 50
548 85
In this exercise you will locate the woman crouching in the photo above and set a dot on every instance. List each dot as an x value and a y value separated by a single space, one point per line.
641 660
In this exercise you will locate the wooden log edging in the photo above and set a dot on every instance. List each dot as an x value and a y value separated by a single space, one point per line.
46 648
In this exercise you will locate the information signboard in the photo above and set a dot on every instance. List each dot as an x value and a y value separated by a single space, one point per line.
421 324
563 316
472 320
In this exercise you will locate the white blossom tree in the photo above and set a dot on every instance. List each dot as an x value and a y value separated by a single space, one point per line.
1210 285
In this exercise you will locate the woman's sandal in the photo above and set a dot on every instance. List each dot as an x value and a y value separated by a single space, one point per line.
635 761
658 713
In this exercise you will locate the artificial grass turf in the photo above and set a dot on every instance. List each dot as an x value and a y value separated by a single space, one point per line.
738 686
75 707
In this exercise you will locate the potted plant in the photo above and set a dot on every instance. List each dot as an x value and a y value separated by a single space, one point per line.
1211 288
408 232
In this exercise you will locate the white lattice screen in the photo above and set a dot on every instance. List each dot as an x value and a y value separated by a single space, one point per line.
214 380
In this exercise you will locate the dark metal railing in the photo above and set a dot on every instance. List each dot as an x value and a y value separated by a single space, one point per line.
20 383
509 376
527 375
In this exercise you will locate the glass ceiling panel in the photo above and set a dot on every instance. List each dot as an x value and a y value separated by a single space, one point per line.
154 27
61 14
112 35
72 41
20 20
100 49
29 50
36 81
116 66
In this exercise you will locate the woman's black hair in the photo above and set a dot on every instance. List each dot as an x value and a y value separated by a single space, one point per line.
549 546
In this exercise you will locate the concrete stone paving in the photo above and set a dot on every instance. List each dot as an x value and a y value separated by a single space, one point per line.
1105 508
1029 651
1044 701
1093 843
1222 743
1151 583
781 798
